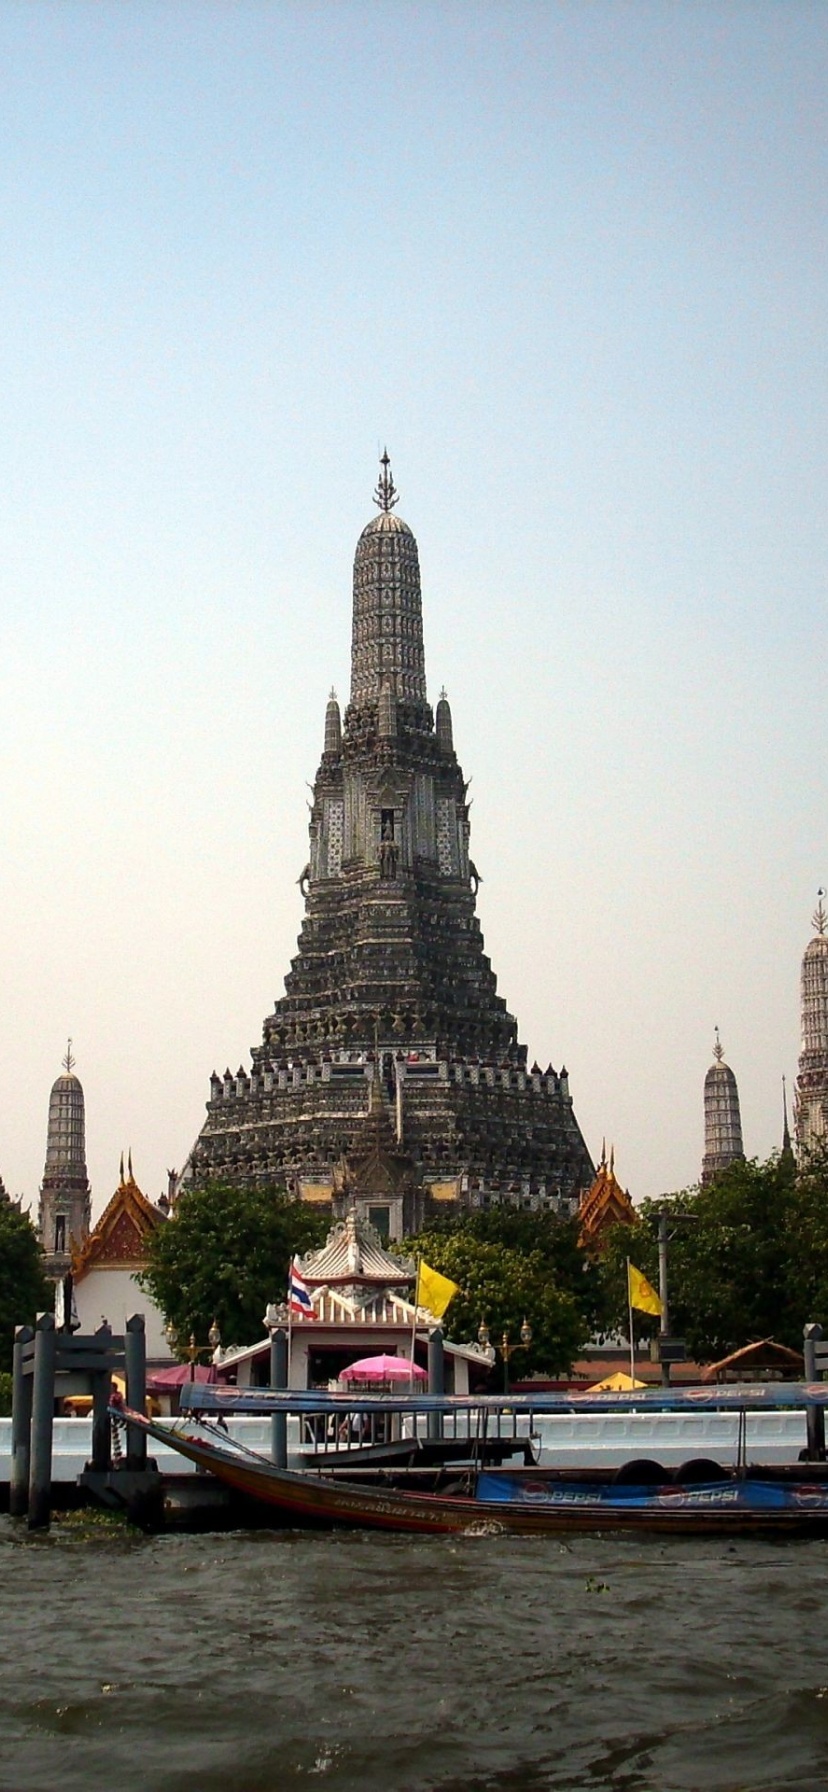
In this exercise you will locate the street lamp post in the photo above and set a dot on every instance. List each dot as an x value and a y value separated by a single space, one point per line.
664 1321
665 1220
192 1350
505 1347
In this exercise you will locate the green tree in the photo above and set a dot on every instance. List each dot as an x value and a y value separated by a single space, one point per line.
806 1245
554 1240
24 1290
504 1285
224 1255
747 1258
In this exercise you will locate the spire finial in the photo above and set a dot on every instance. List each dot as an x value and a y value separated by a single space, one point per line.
786 1135
122 1170
129 1165
718 1049
69 1061
820 915
386 493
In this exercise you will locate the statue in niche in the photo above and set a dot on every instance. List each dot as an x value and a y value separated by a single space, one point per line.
388 851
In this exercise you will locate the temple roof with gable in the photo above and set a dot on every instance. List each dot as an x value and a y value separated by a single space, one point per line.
353 1256
604 1204
119 1240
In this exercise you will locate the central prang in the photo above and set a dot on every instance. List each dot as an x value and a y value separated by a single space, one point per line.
391 987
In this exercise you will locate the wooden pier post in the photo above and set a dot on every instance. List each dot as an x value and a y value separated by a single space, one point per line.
101 1393
135 1354
21 1438
278 1379
43 1410
436 1378
814 1415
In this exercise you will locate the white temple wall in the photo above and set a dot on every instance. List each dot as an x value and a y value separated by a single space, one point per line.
114 1294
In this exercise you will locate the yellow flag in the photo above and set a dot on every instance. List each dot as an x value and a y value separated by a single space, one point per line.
433 1290
640 1294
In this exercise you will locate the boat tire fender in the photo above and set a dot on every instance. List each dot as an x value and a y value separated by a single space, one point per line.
641 1472
701 1468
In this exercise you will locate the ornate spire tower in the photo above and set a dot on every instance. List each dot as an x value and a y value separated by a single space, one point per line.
391 984
722 1119
387 630
65 1201
811 1093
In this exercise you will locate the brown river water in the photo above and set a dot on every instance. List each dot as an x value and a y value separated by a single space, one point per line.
275 1661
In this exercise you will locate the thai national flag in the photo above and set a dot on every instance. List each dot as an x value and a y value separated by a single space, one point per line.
299 1299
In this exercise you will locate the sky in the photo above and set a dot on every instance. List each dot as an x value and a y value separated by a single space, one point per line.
569 263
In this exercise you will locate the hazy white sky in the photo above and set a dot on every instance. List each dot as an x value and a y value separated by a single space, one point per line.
569 261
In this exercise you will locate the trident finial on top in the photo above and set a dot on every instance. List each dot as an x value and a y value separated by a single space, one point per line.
718 1049
68 1060
386 493
820 915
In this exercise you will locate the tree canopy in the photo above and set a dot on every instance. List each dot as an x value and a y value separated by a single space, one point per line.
24 1289
512 1266
747 1256
224 1254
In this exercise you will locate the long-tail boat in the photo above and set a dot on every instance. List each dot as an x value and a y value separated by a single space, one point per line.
466 1483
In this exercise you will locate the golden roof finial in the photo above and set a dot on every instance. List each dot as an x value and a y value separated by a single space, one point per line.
386 494
819 917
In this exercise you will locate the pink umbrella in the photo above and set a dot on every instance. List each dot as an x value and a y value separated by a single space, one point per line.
160 1380
383 1368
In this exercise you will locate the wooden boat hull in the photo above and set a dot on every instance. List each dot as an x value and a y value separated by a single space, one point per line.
525 1504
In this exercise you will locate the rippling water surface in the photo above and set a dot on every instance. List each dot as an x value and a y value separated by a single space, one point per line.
270 1661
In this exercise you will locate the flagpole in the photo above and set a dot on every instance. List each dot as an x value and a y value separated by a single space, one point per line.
290 1317
630 1322
418 1261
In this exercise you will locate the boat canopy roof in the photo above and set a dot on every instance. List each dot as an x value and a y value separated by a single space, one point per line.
750 1397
